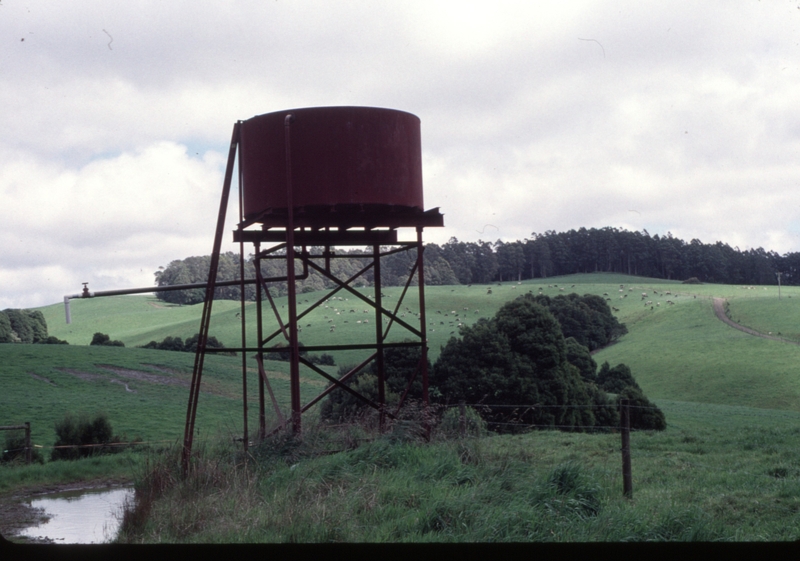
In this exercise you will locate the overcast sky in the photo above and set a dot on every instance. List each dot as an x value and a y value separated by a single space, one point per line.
679 117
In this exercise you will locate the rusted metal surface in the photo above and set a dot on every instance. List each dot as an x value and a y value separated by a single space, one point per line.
340 157
307 176
197 371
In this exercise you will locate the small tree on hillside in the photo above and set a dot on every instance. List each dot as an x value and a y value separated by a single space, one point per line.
519 357
104 340
619 380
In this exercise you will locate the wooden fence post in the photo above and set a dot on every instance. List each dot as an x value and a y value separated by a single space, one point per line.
625 429
462 418
28 451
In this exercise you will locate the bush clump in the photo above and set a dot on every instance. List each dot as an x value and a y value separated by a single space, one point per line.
619 380
14 449
104 340
401 372
188 346
80 436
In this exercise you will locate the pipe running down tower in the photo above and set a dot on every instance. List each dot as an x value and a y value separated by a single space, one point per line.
310 180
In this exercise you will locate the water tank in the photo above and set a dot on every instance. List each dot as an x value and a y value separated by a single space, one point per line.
341 158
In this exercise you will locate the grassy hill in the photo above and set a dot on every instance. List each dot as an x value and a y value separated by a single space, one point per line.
143 391
725 468
677 351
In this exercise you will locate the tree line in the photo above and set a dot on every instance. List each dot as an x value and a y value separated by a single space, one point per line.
25 326
544 255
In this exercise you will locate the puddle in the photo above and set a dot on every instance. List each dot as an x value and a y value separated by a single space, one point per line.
87 516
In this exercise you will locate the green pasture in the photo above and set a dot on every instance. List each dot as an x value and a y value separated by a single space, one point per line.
676 347
774 316
144 392
725 468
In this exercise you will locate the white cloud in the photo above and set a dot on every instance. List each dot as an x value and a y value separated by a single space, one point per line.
677 116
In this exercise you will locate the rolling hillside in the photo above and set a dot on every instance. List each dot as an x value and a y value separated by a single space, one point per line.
677 351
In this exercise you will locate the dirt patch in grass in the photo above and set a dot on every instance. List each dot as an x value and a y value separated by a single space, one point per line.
143 376
42 379
127 389
165 369
87 376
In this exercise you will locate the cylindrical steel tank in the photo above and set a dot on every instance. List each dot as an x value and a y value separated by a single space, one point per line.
340 157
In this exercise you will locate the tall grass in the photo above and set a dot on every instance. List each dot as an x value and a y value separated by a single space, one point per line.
695 481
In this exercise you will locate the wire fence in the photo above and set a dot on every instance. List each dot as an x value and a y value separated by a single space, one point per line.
83 446
522 409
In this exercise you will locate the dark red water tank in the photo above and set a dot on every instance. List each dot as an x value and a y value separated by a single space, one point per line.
341 157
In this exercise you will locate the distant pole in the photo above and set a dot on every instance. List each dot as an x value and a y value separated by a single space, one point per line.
625 429
779 285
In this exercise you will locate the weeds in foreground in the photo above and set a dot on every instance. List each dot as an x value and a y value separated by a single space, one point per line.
350 484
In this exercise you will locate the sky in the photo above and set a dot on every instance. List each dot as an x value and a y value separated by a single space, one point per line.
679 117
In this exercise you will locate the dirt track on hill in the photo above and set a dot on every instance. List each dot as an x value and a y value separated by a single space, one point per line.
719 310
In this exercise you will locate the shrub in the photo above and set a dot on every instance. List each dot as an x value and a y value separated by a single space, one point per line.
52 340
450 425
614 380
282 352
324 359
189 346
82 435
104 340
14 449
519 357
580 357
644 415
400 365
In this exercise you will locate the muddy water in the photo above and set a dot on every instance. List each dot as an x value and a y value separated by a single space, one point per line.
88 516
